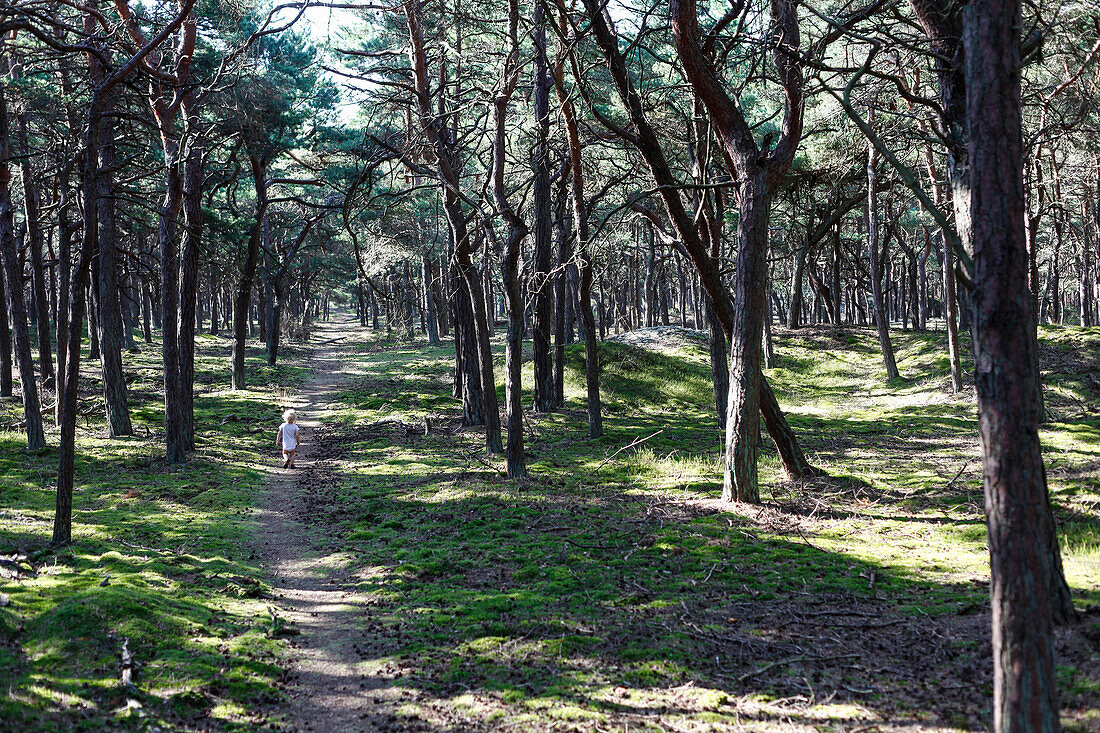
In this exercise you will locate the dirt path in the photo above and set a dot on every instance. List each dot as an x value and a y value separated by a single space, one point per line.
329 689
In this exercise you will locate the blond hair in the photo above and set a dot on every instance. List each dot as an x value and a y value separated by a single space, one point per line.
289 416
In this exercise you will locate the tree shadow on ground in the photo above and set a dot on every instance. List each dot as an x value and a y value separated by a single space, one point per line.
587 597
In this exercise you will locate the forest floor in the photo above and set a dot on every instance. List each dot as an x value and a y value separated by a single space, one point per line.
397 580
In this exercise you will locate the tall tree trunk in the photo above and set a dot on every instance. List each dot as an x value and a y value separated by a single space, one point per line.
882 321
835 264
16 304
35 245
794 312
468 377
1027 587
580 224
517 232
513 356
564 235
175 444
67 400
109 301
646 141
6 380
543 217
951 318
258 165
189 275
432 126
922 277
431 307
743 406
591 347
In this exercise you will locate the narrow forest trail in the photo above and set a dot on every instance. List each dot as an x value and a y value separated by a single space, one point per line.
328 690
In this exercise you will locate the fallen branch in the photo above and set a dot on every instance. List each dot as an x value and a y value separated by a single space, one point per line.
749 675
880 625
960 473
587 546
331 341
636 442
482 461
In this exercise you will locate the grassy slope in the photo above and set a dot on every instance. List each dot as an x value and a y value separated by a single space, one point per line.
600 593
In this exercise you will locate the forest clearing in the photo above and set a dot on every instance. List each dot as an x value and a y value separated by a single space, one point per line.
614 591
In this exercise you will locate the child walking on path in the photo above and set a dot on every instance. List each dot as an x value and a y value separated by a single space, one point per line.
288 437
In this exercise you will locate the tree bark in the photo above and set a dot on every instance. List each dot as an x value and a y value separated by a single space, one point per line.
189 274
951 318
758 172
794 312
743 405
543 218
1026 580
431 307
517 232
580 224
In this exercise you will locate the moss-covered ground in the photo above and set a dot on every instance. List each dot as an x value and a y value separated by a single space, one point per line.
610 591
160 561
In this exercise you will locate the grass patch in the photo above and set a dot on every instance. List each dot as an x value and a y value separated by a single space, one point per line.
161 562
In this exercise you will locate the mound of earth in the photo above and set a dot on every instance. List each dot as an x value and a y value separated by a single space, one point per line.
661 338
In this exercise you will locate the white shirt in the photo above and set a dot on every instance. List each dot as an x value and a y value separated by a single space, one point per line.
289 432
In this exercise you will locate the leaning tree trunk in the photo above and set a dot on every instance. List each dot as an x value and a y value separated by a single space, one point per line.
646 140
1027 586
449 181
584 286
67 400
